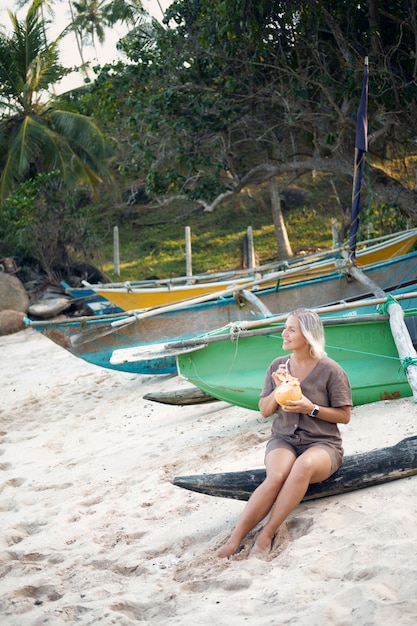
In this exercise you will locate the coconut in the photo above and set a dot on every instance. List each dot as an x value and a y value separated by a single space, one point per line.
289 389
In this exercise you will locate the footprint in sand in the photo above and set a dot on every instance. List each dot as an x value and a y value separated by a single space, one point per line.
13 482
199 586
147 611
41 593
299 526
18 533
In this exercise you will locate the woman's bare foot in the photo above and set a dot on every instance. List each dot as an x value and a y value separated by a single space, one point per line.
227 549
262 547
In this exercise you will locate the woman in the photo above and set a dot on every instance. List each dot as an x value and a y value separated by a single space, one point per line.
305 445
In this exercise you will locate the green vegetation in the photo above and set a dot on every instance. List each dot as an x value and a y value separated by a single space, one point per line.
153 243
218 112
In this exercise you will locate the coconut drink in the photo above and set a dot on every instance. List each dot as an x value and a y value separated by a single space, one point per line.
289 389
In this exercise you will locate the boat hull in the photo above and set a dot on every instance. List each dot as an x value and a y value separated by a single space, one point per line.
191 321
234 369
131 297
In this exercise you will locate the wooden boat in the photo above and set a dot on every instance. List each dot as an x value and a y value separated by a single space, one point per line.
231 365
189 321
96 303
135 343
358 471
144 294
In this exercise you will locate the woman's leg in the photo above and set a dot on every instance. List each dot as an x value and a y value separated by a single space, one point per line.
313 466
278 466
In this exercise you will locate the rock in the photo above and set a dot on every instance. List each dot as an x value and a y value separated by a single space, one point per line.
49 307
13 296
11 322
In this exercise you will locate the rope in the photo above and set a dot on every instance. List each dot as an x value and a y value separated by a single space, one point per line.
235 331
404 278
383 308
406 362
352 351
381 356
369 195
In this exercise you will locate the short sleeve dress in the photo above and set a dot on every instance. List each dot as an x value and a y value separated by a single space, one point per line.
326 385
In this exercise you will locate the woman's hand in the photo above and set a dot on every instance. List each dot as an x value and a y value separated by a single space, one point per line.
275 375
303 405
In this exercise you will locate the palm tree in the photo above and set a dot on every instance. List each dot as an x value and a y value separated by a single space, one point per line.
47 6
35 135
93 16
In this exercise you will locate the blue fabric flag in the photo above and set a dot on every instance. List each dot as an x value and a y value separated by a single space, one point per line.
361 147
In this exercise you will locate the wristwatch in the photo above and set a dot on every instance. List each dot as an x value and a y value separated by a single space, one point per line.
315 411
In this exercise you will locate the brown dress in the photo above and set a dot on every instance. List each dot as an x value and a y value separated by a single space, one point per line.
326 385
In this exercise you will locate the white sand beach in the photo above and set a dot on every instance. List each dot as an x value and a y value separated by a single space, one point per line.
94 532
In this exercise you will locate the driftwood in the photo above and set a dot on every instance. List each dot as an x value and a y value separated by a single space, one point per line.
191 395
358 471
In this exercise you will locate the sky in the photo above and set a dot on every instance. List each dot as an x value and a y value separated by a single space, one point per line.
69 52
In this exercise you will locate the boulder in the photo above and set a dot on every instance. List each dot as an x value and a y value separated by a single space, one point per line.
13 295
11 322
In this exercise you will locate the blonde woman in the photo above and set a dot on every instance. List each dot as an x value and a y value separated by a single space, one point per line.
305 446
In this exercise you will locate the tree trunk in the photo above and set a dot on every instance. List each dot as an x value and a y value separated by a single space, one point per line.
386 189
365 469
284 248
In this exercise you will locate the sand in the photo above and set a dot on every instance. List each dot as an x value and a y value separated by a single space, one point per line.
94 532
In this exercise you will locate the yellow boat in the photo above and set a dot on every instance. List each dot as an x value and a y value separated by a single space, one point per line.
154 293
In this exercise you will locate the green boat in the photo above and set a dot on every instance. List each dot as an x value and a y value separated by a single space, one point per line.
231 364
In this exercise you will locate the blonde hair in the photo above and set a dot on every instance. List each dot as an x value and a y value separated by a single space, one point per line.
312 328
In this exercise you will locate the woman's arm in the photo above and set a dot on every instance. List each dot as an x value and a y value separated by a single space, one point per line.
268 405
335 415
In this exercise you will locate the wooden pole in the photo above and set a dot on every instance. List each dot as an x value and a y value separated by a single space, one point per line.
116 250
399 330
335 234
188 260
251 250
264 327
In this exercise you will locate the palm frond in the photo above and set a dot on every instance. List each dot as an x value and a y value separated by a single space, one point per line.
34 137
83 135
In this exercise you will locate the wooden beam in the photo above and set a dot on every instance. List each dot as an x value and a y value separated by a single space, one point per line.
365 469
181 397
399 330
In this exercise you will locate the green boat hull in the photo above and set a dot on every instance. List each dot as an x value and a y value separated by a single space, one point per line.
234 371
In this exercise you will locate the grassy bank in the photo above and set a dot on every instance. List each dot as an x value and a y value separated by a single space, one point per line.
152 239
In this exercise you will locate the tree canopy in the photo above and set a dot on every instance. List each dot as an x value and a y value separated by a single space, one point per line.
221 97
229 94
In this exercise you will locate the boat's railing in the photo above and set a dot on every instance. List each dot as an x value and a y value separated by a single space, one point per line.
284 265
